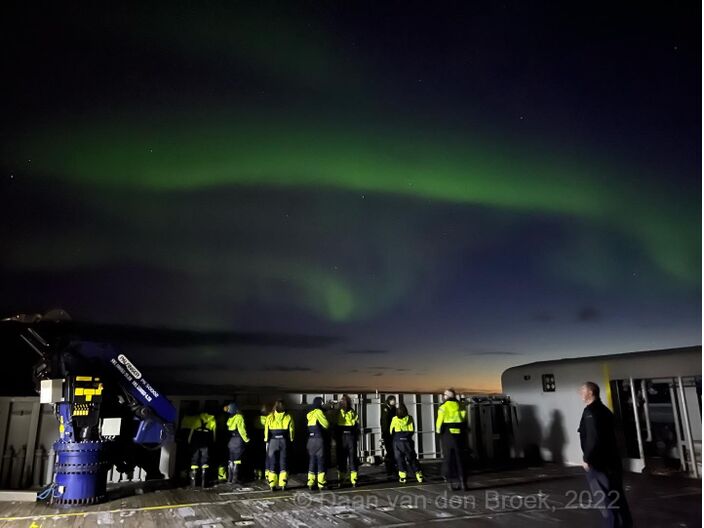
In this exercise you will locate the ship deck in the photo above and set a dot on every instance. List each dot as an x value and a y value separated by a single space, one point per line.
529 497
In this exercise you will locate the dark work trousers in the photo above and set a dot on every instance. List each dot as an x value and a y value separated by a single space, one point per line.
236 447
316 454
608 496
347 452
453 457
276 455
199 457
406 457
389 462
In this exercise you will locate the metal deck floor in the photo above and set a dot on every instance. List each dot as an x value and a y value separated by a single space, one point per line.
528 497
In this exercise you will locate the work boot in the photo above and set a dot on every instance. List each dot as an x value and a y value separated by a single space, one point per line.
402 477
283 478
322 482
258 474
419 476
193 476
353 478
203 478
311 481
273 480
230 472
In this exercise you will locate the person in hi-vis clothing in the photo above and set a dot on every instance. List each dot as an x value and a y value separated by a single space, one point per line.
318 425
236 444
346 431
278 432
402 428
451 424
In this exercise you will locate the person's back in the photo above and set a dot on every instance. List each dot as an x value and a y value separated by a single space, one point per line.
278 425
236 444
317 422
347 428
317 426
278 430
451 425
402 428
200 439
203 430
451 416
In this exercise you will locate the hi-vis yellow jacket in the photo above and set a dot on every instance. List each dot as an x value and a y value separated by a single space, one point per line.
278 425
451 417
402 425
235 423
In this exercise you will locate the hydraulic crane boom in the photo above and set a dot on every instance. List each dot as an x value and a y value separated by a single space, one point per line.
103 403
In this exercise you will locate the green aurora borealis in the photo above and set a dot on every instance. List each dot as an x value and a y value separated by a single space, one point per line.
328 183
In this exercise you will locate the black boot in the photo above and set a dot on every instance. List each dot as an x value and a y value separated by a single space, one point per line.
193 476
230 472
203 479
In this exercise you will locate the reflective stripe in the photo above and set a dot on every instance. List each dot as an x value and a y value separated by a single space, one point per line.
403 435
278 433
315 430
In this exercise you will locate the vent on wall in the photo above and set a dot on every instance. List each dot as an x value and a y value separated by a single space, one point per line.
548 383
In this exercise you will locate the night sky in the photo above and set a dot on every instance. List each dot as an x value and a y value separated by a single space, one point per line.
446 189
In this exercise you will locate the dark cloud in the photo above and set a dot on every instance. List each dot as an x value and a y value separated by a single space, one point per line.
588 314
286 369
369 352
190 367
494 353
388 369
155 336
543 317
481 352
378 374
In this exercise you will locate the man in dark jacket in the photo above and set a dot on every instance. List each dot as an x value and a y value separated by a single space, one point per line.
388 411
601 459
